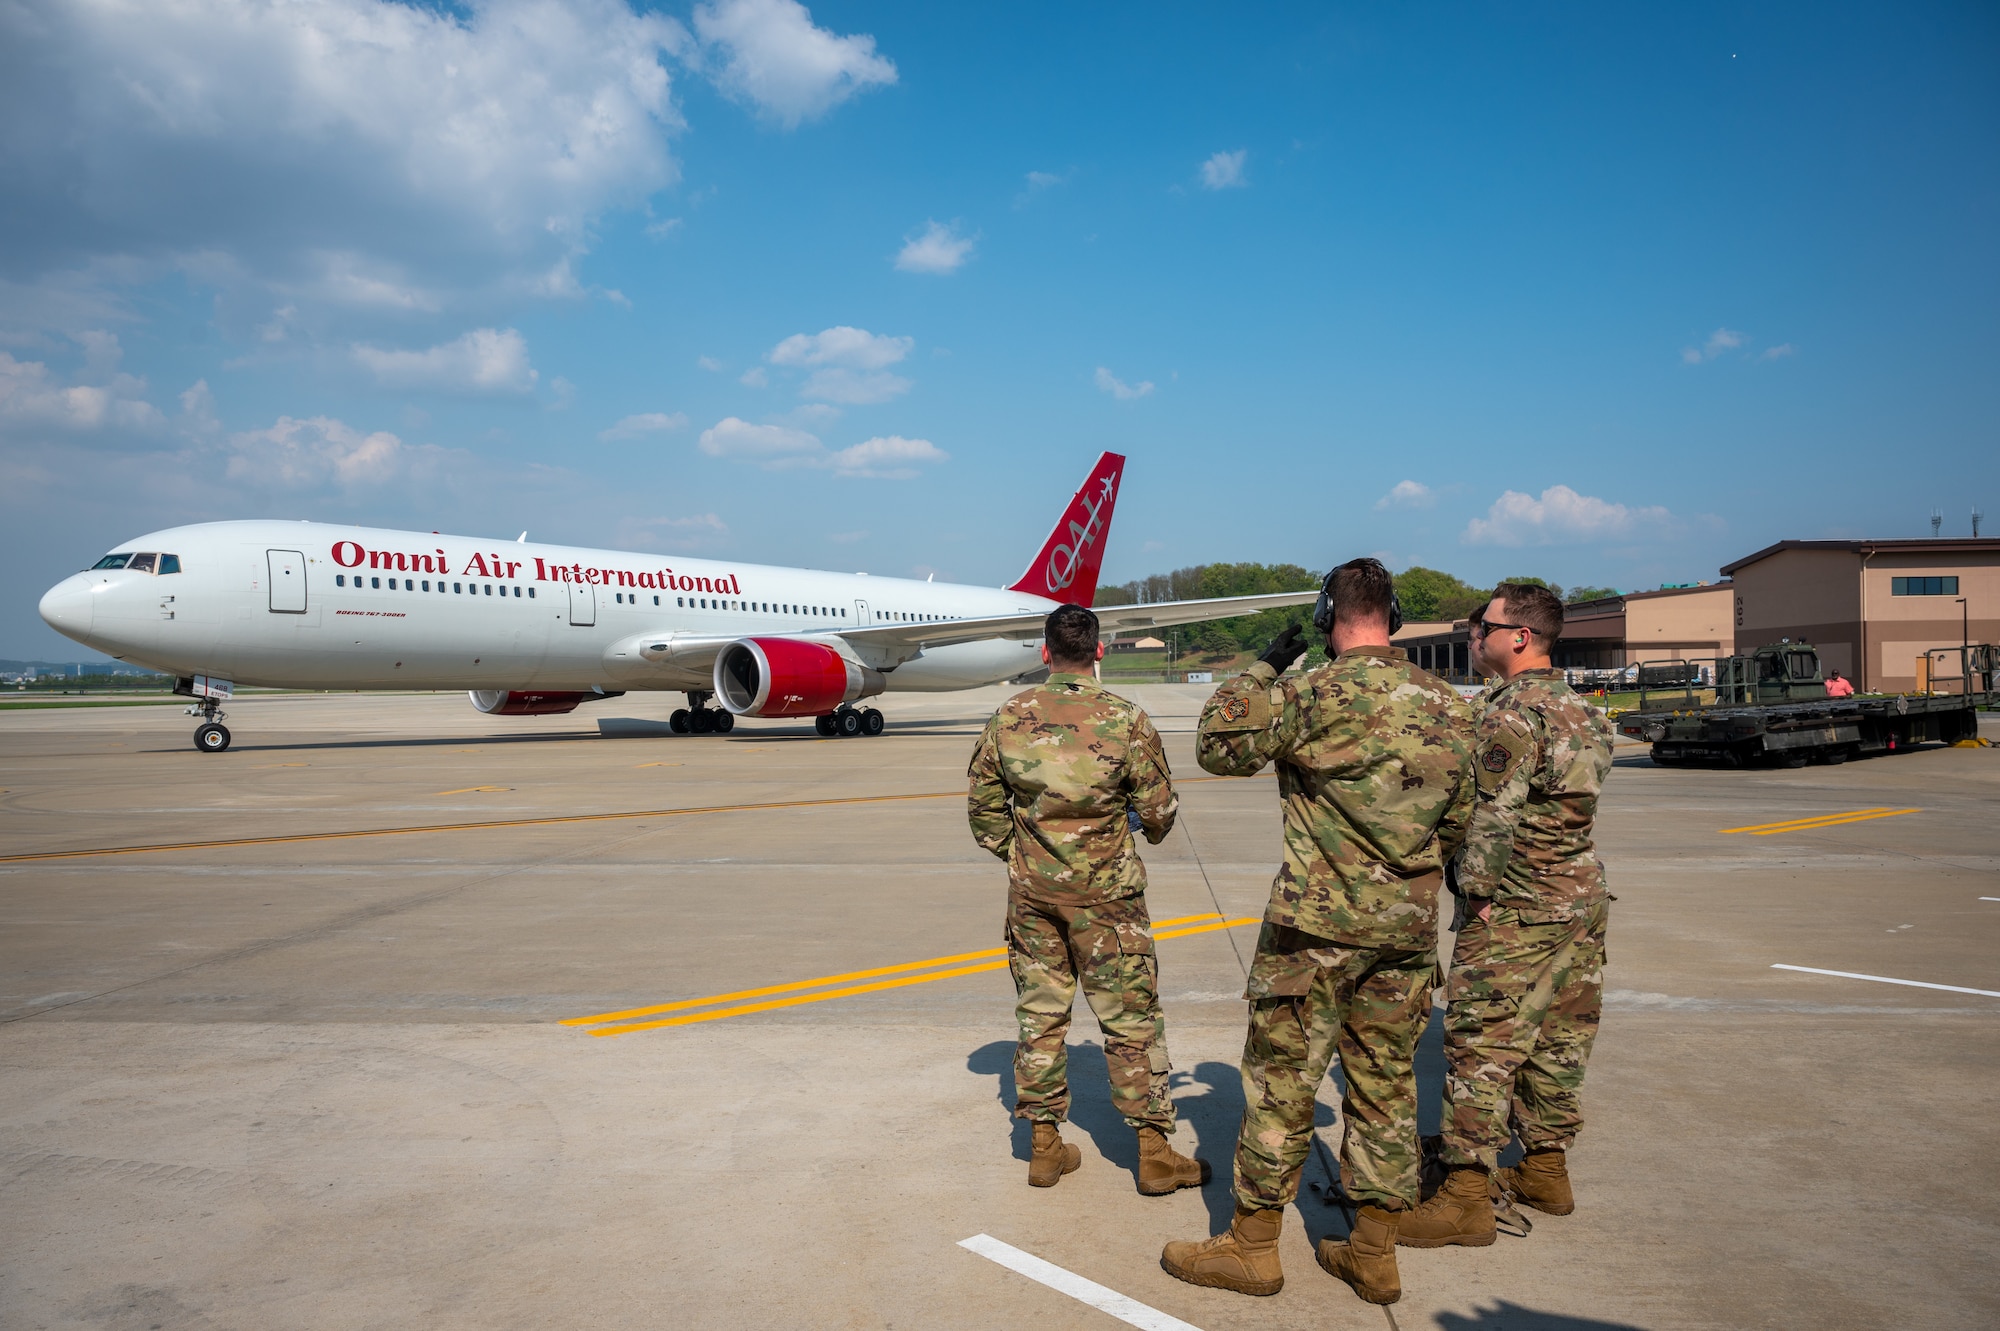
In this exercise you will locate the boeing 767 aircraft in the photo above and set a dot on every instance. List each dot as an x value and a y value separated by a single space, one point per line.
529 630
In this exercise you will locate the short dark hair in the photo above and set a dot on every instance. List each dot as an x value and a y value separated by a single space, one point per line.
1533 607
1362 589
1071 634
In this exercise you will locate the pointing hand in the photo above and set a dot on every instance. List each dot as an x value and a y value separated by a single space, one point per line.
1288 647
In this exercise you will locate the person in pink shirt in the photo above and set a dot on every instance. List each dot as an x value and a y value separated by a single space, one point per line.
1838 687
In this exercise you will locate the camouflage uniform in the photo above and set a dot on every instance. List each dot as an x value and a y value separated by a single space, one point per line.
1375 773
1051 781
1527 983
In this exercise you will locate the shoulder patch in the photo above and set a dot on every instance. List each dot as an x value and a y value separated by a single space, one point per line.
1505 741
1234 709
1497 758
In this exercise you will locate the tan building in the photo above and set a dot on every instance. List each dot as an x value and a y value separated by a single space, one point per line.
1674 623
1871 607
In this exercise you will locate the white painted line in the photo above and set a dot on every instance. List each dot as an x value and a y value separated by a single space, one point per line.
1884 979
1990 898
1129 1311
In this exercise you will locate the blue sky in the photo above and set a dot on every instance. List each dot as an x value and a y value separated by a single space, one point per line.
1605 297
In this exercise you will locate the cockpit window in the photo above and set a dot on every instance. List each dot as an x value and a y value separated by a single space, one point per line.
143 563
169 564
113 561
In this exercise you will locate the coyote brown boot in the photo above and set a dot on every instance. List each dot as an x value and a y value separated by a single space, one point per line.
1053 1157
1243 1257
1367 1261
1541 1180
1460 1212
1163 1169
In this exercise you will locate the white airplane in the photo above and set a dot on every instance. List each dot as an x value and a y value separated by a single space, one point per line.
530 630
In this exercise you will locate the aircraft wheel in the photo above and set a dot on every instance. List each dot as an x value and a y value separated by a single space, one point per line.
723 722
678 722
211 738
825 725
700 721
850 724
871 723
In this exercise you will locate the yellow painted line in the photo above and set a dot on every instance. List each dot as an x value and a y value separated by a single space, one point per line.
474 790
1814 824
850 991
493 824
814 984
659 764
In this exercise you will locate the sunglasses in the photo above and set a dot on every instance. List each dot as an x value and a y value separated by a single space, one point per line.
1483 627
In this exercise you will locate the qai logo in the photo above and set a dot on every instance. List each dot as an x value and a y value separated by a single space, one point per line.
1064 559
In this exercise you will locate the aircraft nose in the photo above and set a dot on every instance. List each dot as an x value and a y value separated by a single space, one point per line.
66 607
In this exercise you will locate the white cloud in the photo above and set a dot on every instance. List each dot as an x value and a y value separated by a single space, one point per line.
1719 341
754 377
485 360
1560 516
645 423
307 454
1779 352
782 448
663 228
1407 494
732 437
691 533
31 395
1040 180
854 348
1118 388
1224 170
938 249
853 387
709 363
768 53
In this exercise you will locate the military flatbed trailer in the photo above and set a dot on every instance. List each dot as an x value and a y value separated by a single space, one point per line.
1771 708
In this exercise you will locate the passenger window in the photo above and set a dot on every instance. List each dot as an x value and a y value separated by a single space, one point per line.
375 583
517 593
142 563
340 579
656 600
458 589
113 561
169 564
409 584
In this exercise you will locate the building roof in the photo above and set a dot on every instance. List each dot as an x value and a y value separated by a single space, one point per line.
1955 545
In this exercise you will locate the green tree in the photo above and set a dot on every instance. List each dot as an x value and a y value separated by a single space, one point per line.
1576 595
1429 595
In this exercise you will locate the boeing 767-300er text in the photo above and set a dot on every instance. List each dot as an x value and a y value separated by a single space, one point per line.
534 629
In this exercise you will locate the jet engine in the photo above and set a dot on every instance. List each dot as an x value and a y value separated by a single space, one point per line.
531 702
786 677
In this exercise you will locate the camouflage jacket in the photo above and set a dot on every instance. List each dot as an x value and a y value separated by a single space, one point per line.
1050 782
1543 756
1374 764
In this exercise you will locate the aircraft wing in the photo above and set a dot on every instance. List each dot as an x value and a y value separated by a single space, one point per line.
886 646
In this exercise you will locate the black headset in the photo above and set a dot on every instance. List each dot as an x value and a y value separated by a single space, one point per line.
1323 608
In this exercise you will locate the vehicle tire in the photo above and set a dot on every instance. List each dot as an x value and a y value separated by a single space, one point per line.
678 722
825 725
724 722
871 723
1834 757
211 737
850 724
699 721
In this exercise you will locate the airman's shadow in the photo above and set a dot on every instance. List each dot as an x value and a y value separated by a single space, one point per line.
1506 1316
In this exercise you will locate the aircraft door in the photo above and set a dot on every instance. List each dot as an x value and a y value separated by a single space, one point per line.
582 604
861 619
288 581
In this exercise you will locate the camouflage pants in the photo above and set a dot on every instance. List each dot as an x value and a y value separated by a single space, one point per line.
1311 998
1522 1006
1109 949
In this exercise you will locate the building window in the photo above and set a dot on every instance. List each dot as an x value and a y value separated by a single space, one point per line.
1923 586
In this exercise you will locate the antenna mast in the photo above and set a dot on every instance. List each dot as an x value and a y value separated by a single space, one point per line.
1976 516
1937 522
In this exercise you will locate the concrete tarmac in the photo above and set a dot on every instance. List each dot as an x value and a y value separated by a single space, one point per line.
322 1080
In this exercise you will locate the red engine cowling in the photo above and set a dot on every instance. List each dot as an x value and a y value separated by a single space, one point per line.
787 677
527 702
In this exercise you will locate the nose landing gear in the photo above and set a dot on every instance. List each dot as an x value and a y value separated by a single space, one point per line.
211 736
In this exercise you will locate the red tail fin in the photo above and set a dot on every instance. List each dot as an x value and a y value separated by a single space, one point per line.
1066 569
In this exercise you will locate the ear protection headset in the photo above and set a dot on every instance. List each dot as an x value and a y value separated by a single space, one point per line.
1323 608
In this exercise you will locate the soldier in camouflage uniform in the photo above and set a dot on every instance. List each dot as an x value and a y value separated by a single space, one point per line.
1527 973
1375 776
1062 776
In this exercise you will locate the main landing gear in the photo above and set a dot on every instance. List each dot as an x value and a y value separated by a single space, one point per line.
698 718
847 722
211 736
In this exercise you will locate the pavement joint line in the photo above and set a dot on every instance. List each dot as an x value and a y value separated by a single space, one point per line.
1109 1301
604 1017
1813 824
488 825
878 986
1887 979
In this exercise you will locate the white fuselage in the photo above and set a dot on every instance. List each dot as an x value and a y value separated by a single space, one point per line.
316 606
